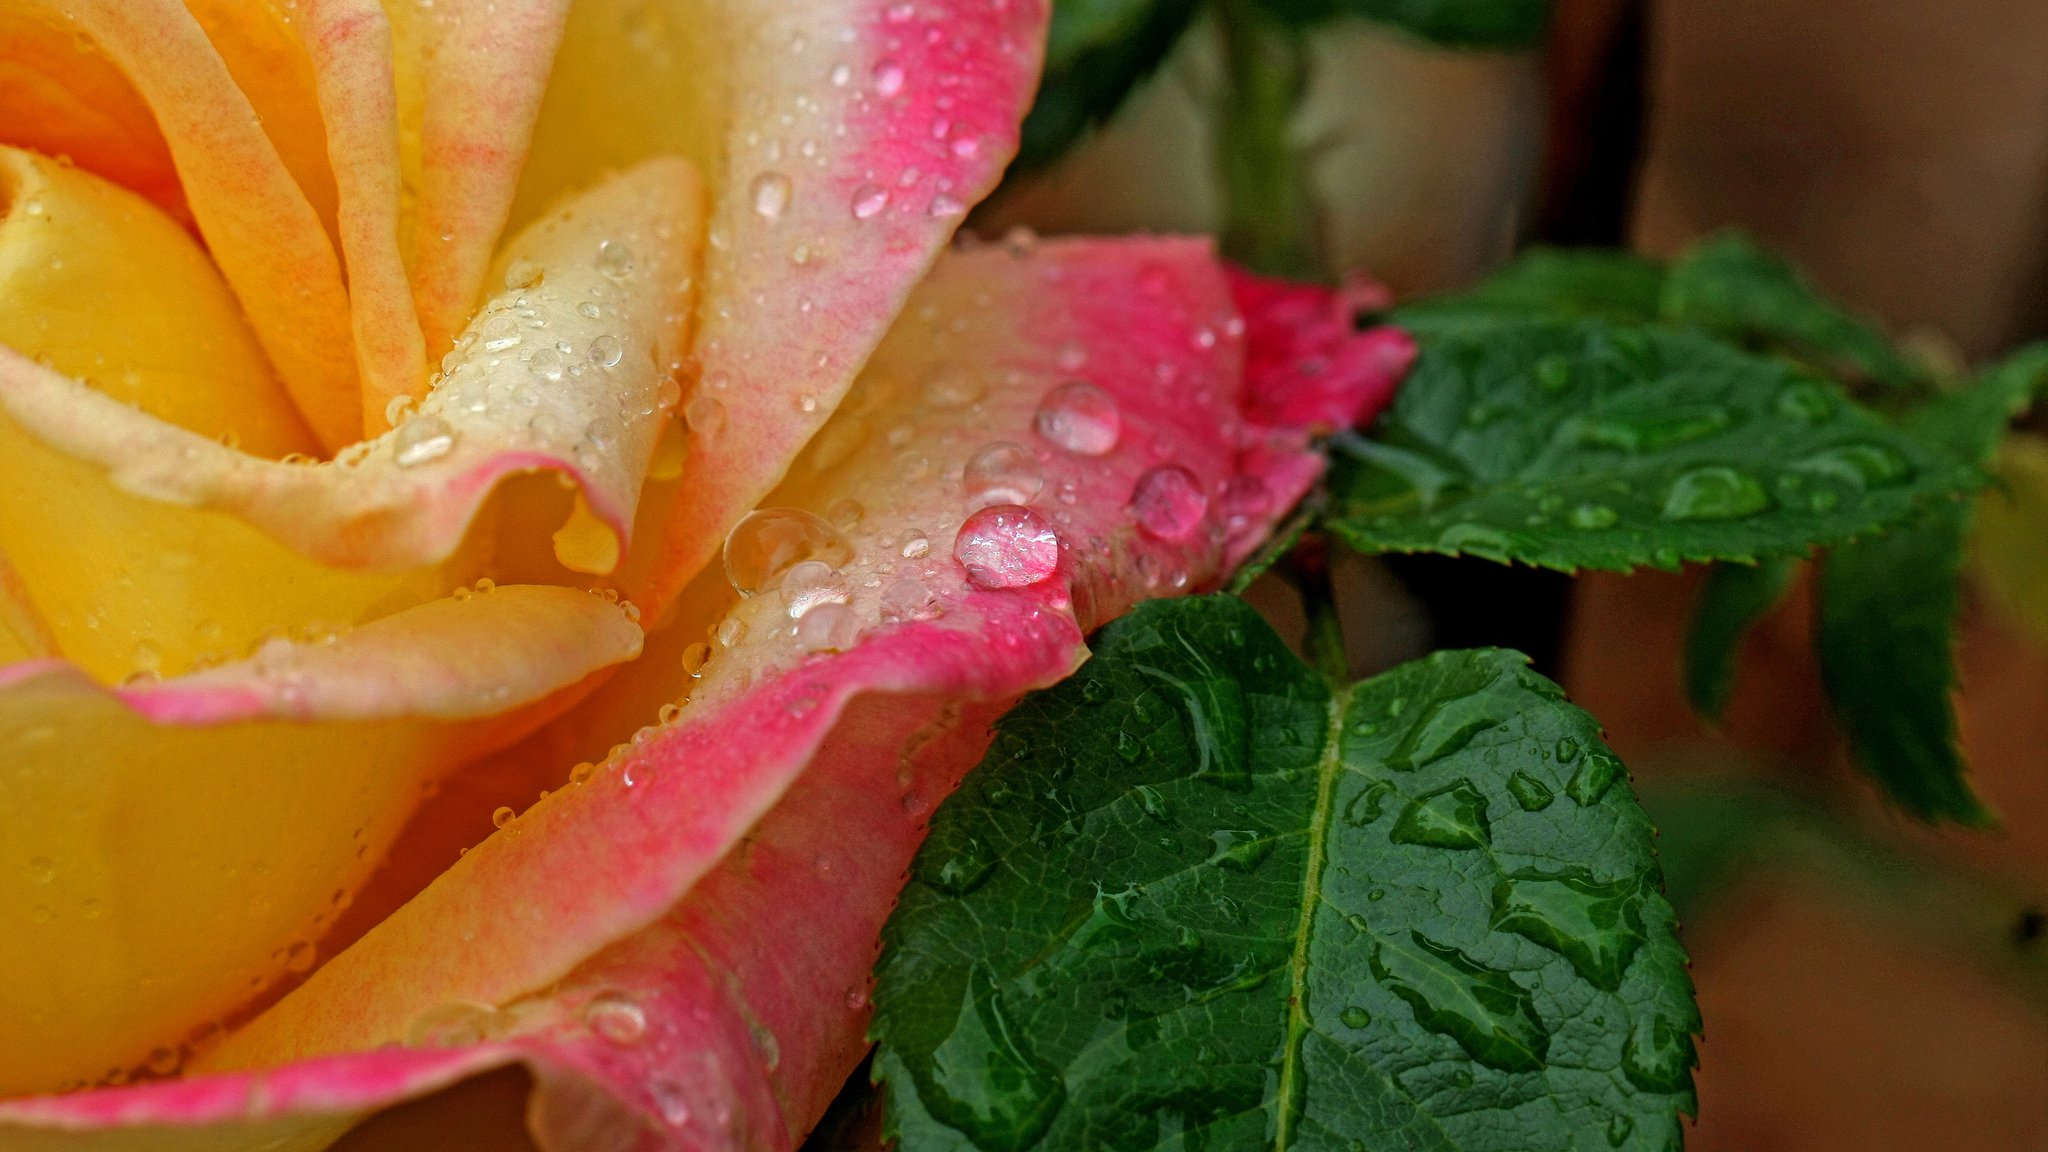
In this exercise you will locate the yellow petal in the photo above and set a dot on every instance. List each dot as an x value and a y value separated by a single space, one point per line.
191 547
175 850
258 224
2010 541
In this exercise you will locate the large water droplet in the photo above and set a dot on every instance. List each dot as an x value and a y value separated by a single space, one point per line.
1450 817
908 599
868 201
1168 502
704 414
1080 418
1447 726
1596 926
615 259
1240 849
1007 546
1001 473
1658 1056
771 541
1649 433
810 583
983 1079
770 195
1716 492
1529 792
1595 776
614 1016
1860 466
828 627
1490 1016
1355 1017
454 1026
421 439
1217 721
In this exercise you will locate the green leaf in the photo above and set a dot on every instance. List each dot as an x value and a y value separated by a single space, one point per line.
1735 597
1590 444
1196 897
1096 51
1492 24
1548 283
1730 287
1887 615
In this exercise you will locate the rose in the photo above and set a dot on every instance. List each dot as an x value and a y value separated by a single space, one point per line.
655 252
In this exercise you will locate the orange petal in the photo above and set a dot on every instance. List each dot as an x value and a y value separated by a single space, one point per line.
186 840
258 225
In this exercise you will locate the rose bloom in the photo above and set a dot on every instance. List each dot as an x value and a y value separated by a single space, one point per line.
510 517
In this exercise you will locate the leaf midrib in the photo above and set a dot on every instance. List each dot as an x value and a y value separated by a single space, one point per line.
1327 774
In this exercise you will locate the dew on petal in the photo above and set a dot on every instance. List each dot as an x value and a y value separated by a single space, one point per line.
615 259
1168 502
1002 473
695 657
1081 418
605 350
810 584
421 439
948 386
915 544
908 599
770 195
1007 546
614 1016
522 273
771 541
869 200
828 628
704 414
845 514
730 632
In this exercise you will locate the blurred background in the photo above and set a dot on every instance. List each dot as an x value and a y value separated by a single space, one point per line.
1867 982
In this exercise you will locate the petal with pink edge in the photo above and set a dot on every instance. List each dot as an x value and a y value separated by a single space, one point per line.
679 947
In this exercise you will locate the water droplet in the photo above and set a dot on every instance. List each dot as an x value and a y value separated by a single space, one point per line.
915 544
704 414
1715 492
770 541
1649 433
1481 540
453 1026
165 1061
522 273
1080 417
1658 1055
1168 502
846 514
300 956
1595 776
615 259
1593 517
1804 402
1554 373
1618 1129
947 386
1450 817
1490 1016
1532 794
614 1016
1859 466
1095 691
582 772
1240 849
945 205
983 1079
1128 747
1355 1017
421 439
545 363
605 350
500 332
888 78
868 201
830 627
908 599
1001 473
1153 803
956 863
42 869
1007 546
810 583
770 195
503 817
1368 804
1596 926
1567 749
730 632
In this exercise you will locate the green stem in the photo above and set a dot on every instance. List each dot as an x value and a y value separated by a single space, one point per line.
1268 219
1309 568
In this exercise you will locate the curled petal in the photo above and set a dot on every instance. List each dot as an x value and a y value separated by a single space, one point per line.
187 840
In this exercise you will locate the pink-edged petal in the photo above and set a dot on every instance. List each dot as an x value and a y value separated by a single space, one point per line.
862 132
350 44
678 948
1309 364
188 840
471 77
258 225
569 372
